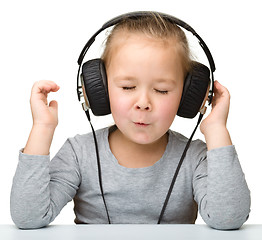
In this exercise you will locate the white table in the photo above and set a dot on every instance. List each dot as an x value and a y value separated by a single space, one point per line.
128 232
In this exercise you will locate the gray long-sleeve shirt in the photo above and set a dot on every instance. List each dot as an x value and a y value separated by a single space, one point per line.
209 181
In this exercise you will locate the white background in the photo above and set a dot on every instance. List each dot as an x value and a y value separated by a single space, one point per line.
42 40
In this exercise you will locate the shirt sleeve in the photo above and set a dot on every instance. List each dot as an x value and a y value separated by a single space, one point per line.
220 189
42 188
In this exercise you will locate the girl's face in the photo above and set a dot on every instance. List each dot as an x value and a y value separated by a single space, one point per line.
145 83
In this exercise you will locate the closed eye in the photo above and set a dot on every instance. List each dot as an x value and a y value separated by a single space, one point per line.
128 88
161 91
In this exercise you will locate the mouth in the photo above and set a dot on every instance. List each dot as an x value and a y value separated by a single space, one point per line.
141 124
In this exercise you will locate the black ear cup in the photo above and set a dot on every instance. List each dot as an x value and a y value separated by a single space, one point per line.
95 84
194 92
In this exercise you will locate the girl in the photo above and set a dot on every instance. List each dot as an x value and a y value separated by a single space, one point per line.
146 62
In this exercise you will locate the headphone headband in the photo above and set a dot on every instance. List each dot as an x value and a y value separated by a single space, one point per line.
139 14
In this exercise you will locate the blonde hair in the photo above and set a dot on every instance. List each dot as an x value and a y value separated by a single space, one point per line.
155 26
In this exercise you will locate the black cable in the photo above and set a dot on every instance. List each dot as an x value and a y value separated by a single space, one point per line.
177 170
98 166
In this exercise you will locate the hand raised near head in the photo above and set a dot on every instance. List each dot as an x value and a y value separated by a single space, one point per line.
44 113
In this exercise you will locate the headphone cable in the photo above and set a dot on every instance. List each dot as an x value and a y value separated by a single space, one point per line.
177 170
98 166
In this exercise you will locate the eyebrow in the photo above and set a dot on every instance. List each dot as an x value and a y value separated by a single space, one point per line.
164 80
133 80
169 81
130 79
124 78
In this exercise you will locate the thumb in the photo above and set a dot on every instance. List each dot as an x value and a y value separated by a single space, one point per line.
53 104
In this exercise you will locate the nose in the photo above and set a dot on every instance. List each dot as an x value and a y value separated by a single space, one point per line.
143 103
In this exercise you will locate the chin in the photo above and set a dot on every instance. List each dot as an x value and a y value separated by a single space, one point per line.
145 140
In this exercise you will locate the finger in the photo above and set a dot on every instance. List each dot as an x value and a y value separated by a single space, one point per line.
220 89
217 87
45 87
49 87
221 96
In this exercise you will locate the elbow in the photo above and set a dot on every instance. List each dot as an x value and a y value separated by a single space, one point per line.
227 224
29 213
230 215
27 222
227 221
26 225
26 218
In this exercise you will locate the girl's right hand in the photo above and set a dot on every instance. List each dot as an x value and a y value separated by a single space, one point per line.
44 114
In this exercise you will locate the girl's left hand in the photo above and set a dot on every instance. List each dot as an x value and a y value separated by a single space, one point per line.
220 108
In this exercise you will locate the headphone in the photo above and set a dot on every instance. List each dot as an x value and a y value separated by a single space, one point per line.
92 86
94 78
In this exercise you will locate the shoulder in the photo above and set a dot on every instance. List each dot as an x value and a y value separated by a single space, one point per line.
81 146
197 148
183 139
85 139
85 142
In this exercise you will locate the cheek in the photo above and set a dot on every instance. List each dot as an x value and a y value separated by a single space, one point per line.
118 108
168 110
119 104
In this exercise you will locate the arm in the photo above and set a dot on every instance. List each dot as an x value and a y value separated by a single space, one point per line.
220 187
39 189
42 188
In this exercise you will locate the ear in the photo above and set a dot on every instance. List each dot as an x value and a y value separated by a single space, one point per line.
95 84
195 88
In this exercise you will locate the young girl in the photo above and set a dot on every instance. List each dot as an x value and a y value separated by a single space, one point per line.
146 62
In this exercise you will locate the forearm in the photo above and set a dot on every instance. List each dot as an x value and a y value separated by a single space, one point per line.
39 140
41 188
225 200
30 195
217 136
